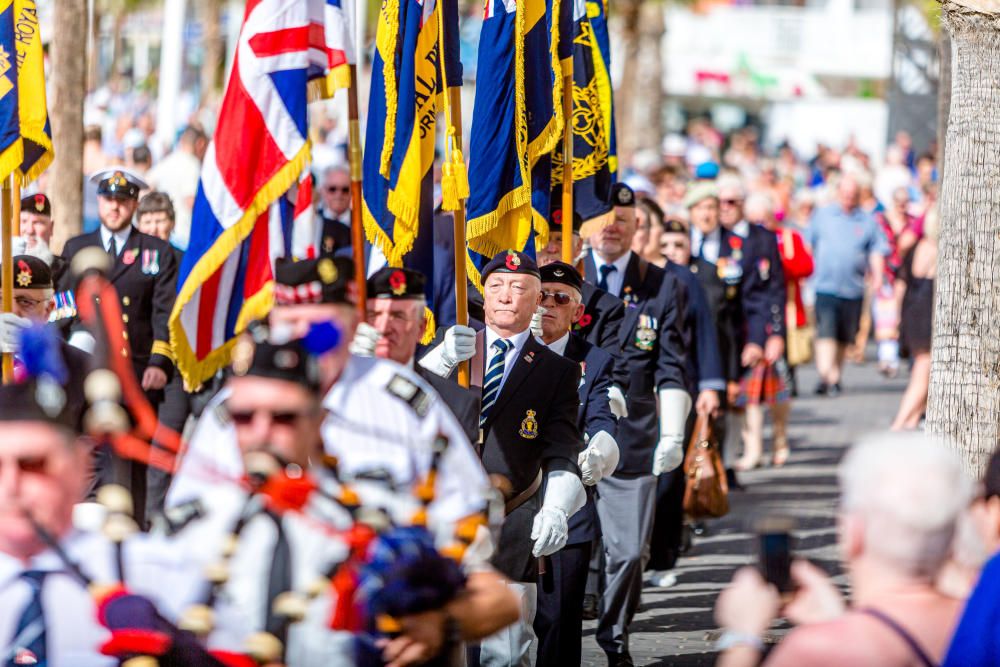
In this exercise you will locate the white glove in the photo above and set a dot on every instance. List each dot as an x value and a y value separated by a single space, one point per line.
564 495
11 327
459 345
619 408
536 322
366 337
599 459
675 404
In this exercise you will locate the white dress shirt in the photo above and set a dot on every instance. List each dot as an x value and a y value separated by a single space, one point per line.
710 248
559 346
517 339
616 278
121 236
742 229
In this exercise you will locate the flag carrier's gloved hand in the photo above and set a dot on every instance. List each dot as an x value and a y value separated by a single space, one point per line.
564 495
459 345
675 404
366 337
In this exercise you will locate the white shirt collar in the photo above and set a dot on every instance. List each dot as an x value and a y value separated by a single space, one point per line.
559 346
621 263
121 236
517 339
742 229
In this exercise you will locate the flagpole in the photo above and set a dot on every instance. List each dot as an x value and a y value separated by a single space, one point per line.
354 159
567 176
10 193
461 280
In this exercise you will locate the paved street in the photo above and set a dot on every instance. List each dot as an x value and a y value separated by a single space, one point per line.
675 626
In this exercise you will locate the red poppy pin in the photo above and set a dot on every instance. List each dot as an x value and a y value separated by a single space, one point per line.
397 281
39 202
513 261
735 242
584 321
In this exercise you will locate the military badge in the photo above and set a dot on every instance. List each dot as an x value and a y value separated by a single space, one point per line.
645 333
513 261
24 274
327 270
397 281
628 297
150 262
529 426
764 269
328 244
39 203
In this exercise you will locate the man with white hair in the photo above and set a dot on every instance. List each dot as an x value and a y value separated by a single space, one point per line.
895 533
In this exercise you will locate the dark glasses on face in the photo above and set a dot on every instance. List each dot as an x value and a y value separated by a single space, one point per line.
342 189
277 417
561 298
730 202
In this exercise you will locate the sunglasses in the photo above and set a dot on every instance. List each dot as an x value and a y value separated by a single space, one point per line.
561 298
277 417
342 189
731 202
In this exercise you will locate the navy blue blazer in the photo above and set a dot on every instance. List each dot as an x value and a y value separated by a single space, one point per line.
704 361
651 338
762 285
600 325
595 415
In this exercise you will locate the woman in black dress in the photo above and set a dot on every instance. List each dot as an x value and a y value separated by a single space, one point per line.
915 293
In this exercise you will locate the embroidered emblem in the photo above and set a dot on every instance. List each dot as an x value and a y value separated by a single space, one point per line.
397 281
529 426
24 274
327 270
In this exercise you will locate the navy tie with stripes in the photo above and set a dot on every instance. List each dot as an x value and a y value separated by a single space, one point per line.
494 377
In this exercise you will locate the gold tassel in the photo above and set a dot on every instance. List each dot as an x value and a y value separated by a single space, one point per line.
454 176
449 187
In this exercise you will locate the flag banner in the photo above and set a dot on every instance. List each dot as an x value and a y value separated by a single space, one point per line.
516 120
242 212
597 13
306 231
403 104
34 117
11 146
331 46
591 171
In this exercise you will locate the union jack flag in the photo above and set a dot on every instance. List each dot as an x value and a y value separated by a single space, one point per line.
249 189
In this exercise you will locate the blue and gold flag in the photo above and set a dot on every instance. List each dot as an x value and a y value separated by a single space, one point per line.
591 168
597 14
516 123
11 146
33 113
402 116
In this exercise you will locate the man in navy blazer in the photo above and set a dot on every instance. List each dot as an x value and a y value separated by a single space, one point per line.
651 440
559 618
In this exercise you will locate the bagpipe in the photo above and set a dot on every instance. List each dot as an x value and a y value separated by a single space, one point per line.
392 569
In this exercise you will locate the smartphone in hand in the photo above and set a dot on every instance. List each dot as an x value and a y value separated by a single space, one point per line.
774 551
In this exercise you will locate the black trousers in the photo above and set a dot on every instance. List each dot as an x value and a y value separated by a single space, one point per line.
668 524
559 617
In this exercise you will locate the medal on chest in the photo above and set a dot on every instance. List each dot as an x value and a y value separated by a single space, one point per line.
645 333
529 426
150 262
628 297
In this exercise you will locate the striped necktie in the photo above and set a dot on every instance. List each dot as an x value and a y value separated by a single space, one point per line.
494 377
28 646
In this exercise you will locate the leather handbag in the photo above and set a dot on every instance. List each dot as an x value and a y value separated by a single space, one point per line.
706 494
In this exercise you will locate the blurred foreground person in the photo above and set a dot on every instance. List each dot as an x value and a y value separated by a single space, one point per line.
896 532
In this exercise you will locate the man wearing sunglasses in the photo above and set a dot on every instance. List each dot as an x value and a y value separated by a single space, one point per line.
559 621
34 305
335 210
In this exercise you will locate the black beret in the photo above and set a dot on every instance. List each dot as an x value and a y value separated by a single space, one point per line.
396 283
622 195
511 261
323 280
561 272
34 401
31 273
675 227
38 203
289 361
118 182
557 221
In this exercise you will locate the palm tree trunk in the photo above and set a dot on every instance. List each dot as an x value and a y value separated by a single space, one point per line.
628 89
214 48
69 73
964 401
944 93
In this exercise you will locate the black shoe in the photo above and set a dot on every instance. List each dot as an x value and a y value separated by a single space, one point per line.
734 483
835 390
822 389
589 607
686 539
620 660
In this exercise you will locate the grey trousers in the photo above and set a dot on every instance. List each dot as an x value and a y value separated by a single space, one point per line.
511 647
625 507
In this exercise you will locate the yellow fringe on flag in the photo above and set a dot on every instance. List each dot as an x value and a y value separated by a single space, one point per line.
385 44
